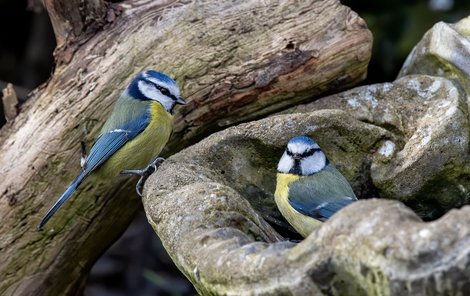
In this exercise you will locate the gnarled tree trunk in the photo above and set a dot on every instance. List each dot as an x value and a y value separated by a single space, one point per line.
234 61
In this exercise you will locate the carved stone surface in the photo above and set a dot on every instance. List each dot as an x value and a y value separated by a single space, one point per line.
202 205
406 141
425 162
443 51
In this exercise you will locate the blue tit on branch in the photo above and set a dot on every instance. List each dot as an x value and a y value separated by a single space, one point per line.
309 188
136 131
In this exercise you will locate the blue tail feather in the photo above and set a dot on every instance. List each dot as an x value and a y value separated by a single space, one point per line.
331 208
65 196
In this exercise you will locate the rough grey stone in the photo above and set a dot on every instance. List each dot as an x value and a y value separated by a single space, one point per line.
443 51
406 141
425 162
202 207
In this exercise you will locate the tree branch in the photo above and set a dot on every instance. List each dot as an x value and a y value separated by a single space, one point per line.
10 102
234 61
74 21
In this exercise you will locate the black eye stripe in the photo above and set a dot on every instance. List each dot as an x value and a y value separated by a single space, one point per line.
164 91
307 153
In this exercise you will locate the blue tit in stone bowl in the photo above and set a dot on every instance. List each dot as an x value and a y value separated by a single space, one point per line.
136 131
309 188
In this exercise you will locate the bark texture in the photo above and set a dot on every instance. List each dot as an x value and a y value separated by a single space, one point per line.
234 61
10 102
74 21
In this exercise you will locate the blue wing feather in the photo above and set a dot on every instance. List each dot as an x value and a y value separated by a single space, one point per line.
321 195
120 128
108 143
321 211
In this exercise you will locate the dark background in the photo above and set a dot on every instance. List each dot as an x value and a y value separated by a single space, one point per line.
137 263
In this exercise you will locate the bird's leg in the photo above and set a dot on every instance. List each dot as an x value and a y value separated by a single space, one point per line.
144 173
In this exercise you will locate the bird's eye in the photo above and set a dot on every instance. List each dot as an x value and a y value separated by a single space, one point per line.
165 92
306 153
309 152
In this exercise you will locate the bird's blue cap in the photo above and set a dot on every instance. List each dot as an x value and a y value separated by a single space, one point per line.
302 140
161 81
157 75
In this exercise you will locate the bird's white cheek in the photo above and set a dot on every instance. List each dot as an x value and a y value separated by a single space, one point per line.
285 164
313 164
171 87
152 93
148 90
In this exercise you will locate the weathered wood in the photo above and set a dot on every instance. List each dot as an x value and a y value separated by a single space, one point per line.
74 21
10 102
235 61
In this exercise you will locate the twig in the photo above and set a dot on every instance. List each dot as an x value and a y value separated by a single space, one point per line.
10 102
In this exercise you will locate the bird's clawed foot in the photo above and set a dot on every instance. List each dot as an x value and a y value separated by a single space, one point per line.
144 173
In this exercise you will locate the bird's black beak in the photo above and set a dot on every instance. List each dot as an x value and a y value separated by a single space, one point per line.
180 101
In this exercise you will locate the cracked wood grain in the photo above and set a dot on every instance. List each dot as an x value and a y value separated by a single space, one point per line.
235 61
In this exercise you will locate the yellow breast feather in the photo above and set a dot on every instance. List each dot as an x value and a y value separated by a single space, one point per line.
138 152
303 224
